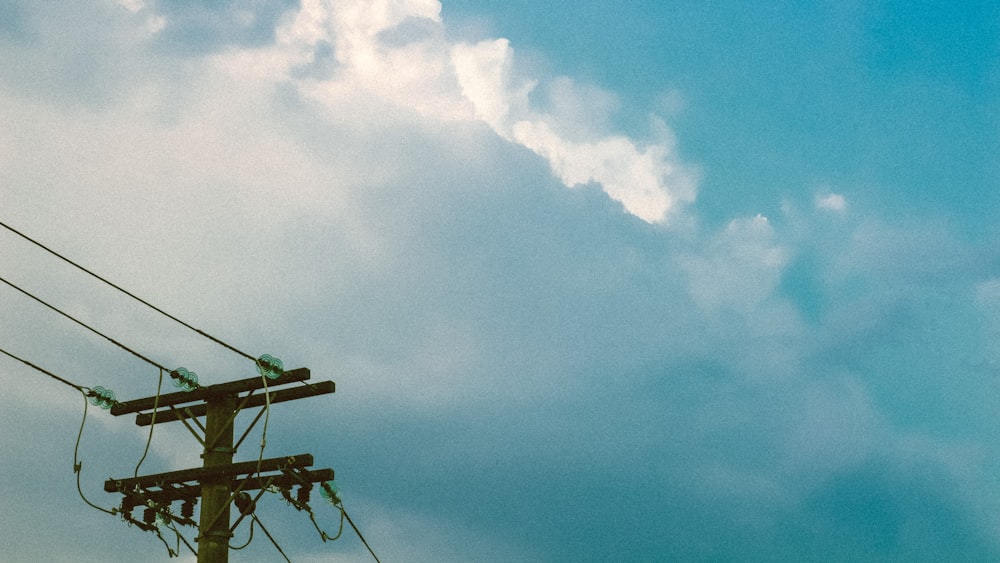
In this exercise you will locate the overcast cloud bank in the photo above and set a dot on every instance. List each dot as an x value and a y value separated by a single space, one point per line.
525 372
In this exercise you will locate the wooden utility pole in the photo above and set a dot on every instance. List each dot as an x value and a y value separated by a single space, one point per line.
219 482
214 534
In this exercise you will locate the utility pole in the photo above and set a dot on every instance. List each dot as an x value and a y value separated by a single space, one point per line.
214 534
219 483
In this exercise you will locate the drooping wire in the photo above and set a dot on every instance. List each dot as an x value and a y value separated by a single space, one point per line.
302 503
152 424
323 535
330 493
87 394
250 539
86 326
181 538
133 296
267 417
78 465
170 552
172 528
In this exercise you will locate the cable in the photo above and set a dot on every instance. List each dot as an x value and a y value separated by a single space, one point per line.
323 535
250 539
152 424
80 388
181 538
268 534
267 417
170 552
144 302
78 465
84 325
85 391
357 531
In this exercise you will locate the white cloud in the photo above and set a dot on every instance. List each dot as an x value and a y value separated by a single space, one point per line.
425 73
484 71
646 182
340 195
740 268
132 5
832 202
650 182
413 72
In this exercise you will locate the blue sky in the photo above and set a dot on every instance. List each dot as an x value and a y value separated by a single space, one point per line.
794 93
605 281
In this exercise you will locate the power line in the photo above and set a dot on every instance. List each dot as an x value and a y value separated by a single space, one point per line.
126 292
267 366
149 440
87 393
86 326
80 388
78 465
357 531
270 537
105 398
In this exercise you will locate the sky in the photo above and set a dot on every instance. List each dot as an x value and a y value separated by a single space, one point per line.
632 281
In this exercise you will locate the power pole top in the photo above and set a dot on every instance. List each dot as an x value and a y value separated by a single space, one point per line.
219 482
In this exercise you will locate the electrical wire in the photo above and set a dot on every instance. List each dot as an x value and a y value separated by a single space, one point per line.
80 388
78 465
250 539
85 391
86 326
181 538
170 552
152 424
323 535
268 534
357 531
267 417
133 296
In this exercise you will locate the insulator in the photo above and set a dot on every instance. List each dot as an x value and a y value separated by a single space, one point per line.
330 492
163 517
187 509
270 367
149 515
303 494
244 503
104 398
185 379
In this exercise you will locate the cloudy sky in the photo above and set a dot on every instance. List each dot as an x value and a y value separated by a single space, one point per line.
633 281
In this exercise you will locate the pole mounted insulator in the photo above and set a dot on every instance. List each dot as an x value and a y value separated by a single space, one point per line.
185 379
245 503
